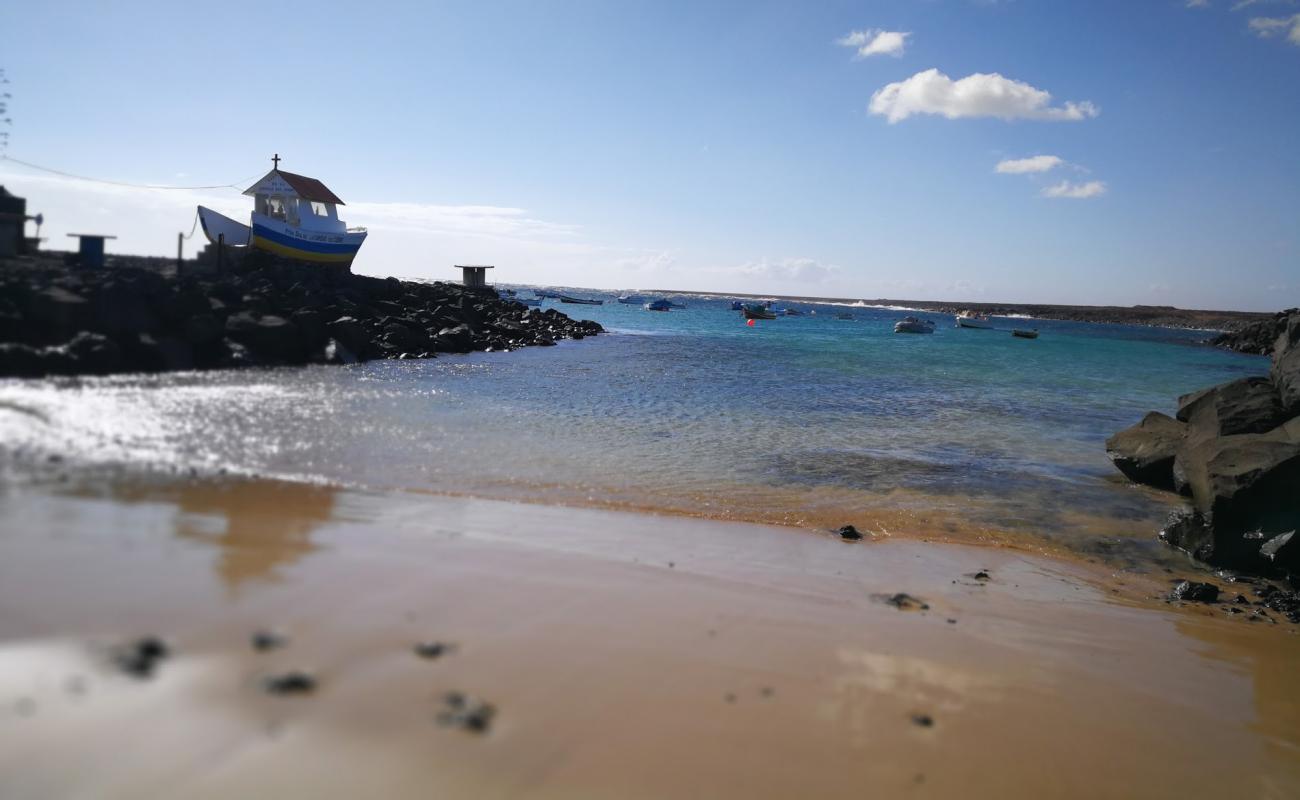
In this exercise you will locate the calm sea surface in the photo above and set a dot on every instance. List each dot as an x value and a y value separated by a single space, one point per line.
808 420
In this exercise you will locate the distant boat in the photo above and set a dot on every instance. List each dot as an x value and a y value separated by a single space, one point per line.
631 299
544 294
532 302
844 315
913 325
671 304
580 301
974 319
755 311
293 216
658 305
793 312
1025 334
736 305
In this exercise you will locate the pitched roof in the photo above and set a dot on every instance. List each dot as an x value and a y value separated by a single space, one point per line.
309 188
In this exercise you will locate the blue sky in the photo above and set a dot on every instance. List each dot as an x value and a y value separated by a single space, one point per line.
723 146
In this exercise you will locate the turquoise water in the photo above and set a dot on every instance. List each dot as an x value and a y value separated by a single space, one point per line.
806 420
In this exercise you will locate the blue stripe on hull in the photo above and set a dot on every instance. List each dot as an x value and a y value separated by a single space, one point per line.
305 245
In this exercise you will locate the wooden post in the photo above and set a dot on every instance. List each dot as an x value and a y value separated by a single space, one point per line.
180 255
221 253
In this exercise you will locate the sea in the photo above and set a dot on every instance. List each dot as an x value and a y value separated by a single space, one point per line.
812 421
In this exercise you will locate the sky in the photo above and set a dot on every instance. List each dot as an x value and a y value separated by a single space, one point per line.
1126 152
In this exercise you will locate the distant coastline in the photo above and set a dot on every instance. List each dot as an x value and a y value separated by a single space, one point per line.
1156 316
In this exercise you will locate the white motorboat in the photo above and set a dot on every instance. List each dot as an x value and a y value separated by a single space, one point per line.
974 319
913 325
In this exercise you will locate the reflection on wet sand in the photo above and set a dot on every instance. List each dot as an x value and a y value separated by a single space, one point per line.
1272 668
258 527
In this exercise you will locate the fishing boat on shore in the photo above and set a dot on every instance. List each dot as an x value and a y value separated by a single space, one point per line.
913 325
1025 333
580 301
974 319
293 216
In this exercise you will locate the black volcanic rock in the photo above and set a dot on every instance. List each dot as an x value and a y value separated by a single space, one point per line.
1247 405
1238 460
262 310
1145 452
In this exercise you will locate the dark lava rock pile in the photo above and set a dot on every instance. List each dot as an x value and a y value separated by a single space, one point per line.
58 321
1234 451
1256 338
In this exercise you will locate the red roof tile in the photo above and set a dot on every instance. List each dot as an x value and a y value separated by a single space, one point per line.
310 188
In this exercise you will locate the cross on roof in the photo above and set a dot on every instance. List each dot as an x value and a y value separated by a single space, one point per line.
275 160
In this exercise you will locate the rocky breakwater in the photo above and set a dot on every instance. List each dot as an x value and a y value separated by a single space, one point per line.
54 321
1234 451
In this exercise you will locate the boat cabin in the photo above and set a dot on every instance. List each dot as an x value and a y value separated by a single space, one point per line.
298 201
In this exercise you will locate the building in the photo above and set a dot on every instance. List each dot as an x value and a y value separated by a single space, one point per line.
474 274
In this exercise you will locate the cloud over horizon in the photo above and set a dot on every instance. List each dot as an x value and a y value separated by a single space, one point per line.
977 95
875 42
1020 166
1075 191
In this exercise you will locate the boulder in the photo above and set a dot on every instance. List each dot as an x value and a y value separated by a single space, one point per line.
404 337
1245 489
1195 592
350 333
203 329
1247 405
1286 377
267 336
1283 551
21 361
311 324
1145 452
459 339
95 353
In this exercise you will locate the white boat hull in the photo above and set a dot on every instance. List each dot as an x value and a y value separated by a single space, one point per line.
220 228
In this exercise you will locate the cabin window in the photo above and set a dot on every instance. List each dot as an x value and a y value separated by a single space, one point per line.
319 209
275 207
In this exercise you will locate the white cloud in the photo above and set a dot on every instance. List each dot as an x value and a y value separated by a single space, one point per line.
1075 191
1271 26
873 42
1018 166
802 270
978 95
1198 3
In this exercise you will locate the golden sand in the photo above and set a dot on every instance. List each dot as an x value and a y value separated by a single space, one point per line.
625 656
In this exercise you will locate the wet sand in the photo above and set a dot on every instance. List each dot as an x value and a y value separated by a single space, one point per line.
625 655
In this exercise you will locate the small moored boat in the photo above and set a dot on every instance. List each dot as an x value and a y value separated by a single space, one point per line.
913 325
631 299
756 311
974 319
1025 333
658 305
844 315
580 301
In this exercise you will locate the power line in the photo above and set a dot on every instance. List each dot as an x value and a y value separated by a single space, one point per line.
51 170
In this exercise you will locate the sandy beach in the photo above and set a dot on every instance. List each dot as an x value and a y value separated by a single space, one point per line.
622 655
